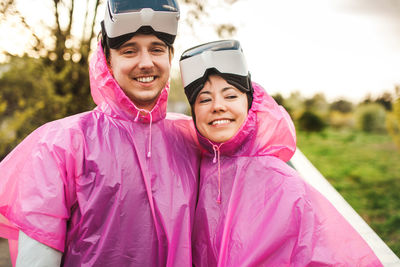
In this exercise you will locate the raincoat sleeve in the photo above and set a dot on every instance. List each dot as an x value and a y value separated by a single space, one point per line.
34 254
37 185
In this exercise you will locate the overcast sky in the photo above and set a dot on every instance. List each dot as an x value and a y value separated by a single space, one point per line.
342 48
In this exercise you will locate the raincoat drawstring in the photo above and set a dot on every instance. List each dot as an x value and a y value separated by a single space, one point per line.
217 158
151 122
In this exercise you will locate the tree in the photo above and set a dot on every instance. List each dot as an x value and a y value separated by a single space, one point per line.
55 39
385 100
342 106
279 99
28 102
310 122
393 119
370 117
317 104
198 10
54 66
65 51
55 63
295 105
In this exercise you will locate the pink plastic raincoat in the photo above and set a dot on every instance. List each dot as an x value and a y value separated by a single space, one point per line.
255 210
109 187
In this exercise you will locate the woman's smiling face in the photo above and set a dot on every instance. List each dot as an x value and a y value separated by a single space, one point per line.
220 109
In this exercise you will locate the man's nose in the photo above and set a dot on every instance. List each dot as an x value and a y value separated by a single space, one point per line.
145 60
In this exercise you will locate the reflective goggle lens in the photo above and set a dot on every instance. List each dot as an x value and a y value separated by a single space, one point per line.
125 6
212 46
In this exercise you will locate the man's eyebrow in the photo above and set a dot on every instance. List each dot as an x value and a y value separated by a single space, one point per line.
128 44
134 44
159 43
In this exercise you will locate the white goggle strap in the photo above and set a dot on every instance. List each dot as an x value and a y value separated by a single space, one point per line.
225 61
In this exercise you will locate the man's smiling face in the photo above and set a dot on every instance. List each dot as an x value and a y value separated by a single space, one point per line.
141 66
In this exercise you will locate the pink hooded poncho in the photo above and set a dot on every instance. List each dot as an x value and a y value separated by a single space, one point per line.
255 210
109 187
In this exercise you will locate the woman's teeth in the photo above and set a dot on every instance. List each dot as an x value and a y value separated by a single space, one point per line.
220 122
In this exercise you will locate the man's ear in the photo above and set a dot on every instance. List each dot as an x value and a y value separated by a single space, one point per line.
170 53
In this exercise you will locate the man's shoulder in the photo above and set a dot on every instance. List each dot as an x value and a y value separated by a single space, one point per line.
67 123
58 131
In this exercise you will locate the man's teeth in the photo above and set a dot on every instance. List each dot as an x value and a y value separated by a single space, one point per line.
220 122
145 79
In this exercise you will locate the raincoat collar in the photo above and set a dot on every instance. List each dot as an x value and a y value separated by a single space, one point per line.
267 130
110 98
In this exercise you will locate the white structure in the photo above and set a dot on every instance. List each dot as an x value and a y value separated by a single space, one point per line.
318 181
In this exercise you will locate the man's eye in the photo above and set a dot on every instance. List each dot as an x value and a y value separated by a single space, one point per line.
128 52
158 50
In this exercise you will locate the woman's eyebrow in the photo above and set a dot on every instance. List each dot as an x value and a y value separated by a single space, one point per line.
228 88
205 92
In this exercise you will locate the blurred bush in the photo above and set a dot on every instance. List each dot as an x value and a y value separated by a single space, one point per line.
340 120
310 122
370 118
393 122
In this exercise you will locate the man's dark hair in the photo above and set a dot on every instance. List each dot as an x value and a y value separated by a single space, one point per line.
142 30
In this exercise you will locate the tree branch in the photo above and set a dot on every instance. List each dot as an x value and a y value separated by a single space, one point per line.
92 33
70 15
5 5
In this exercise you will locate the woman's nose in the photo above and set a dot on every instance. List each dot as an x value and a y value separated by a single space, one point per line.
218 105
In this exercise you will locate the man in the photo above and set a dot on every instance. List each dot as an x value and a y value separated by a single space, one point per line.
116 185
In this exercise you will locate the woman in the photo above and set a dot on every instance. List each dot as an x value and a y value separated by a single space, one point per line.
253 209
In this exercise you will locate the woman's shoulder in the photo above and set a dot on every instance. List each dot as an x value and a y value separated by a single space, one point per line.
275 169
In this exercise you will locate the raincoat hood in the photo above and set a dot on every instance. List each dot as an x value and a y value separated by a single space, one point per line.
267 130
88 186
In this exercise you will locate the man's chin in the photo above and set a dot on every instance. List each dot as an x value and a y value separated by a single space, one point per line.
146 102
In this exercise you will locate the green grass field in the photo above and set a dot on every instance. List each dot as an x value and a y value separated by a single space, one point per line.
365 169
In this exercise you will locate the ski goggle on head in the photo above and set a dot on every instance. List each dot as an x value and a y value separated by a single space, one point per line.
224 58
124 18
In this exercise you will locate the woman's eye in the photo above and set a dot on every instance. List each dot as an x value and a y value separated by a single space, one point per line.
205 100
231 96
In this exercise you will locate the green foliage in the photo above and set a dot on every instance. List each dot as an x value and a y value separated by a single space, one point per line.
52 82
294 104
177 101
33 93
279 99
365 169
310 122
393 122
385 100
342 106
339 120
370 117
317 105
